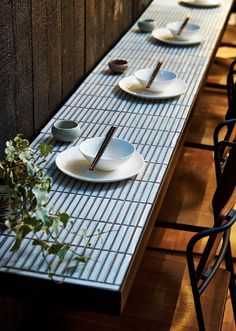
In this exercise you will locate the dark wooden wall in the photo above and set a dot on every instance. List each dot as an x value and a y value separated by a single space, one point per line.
47 48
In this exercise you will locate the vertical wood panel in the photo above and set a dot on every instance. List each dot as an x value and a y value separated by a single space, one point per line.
79 40
54 54
109 24
73 53
94 31
40 62
121 18
139 6
126 15
67 46
8 118
23 69
106 21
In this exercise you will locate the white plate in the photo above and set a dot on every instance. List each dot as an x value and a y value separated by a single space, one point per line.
164 35
205 4
73 164
131 85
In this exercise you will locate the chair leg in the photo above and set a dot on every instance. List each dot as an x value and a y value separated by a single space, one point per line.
232 286
195 291
198 309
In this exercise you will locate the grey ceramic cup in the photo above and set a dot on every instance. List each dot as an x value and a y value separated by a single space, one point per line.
146 25
65 130
118 66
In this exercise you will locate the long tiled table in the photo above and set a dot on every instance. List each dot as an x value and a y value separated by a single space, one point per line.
122 210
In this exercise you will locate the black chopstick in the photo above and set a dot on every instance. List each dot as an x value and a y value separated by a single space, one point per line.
155 72
185 22
103 147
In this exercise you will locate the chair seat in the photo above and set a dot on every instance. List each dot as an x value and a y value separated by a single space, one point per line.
208 112
187 203
160 299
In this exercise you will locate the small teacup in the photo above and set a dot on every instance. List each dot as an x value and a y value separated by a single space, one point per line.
118 66
65 130
146 25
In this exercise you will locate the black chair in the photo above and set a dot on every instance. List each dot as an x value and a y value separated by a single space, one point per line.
224 217
208 266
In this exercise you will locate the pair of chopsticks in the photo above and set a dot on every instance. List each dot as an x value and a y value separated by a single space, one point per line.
103 147
155 72
183 25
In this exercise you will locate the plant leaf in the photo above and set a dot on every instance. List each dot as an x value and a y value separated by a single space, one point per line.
31 170
40 194
64 218
42 214
23 143
31 221
24 230
39 242
81 258
45 149
55 248
16 245
62 253
55 224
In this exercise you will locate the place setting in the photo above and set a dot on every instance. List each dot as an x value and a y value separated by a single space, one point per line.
179 33
201 3
101 159
153 83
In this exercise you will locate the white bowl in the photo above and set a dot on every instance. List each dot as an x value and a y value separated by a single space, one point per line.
188 32
117 152
163 79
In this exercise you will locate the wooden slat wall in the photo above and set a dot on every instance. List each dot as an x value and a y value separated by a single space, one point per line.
139 6
47 48
106 21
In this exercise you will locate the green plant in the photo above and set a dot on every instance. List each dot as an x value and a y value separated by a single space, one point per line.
28 189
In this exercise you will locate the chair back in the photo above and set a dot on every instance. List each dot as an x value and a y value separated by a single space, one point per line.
227 129
231 91
226 184
209 263
223 203
216 249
